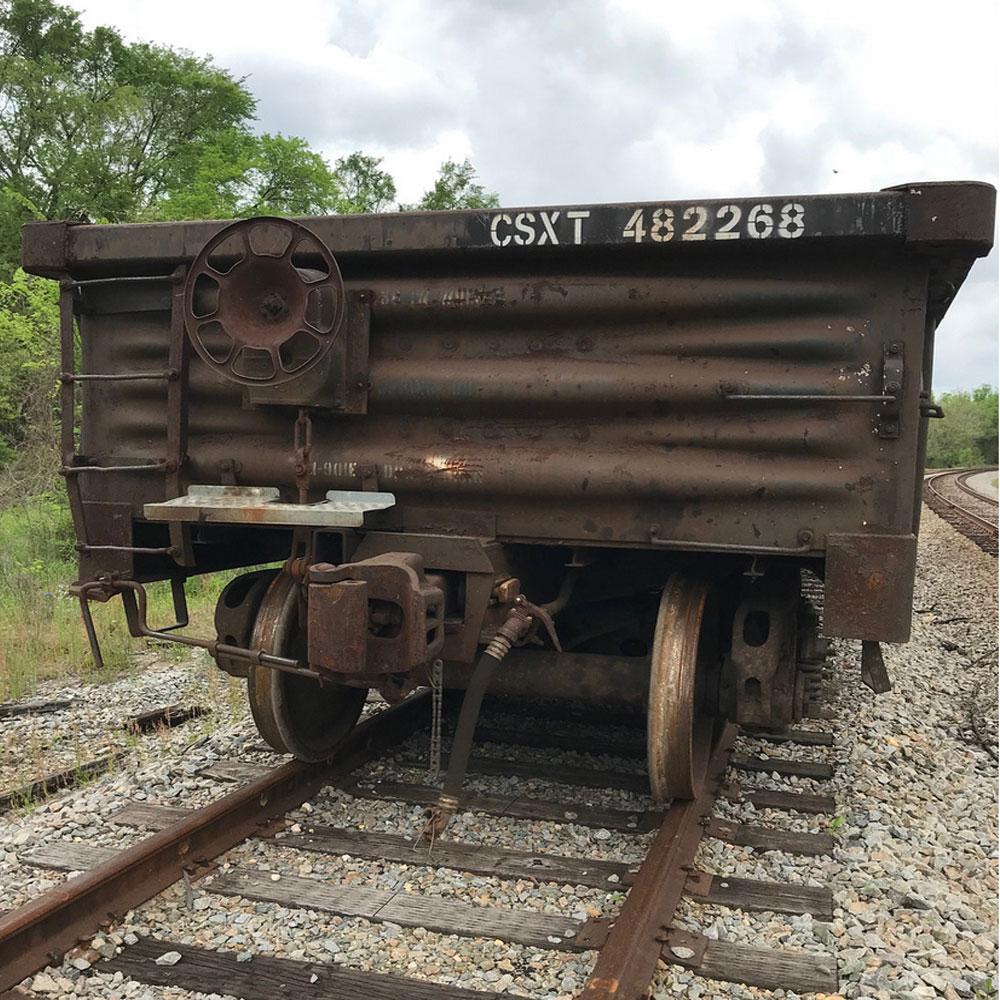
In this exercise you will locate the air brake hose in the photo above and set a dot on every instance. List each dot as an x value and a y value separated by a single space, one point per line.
515 627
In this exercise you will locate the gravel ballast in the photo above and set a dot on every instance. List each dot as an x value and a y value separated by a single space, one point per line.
913 870
92 724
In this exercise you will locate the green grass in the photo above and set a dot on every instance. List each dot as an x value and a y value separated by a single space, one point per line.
41 632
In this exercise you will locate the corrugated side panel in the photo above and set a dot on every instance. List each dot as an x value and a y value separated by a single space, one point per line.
578 407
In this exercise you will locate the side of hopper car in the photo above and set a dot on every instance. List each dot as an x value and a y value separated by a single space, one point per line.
604 444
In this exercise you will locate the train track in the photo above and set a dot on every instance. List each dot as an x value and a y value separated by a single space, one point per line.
165 717
628 945
949 495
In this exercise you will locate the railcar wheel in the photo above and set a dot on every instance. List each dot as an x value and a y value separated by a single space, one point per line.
295 714
682 719
235 614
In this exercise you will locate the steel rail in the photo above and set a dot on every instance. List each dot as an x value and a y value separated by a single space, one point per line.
628 957
40 932
962 482
932 479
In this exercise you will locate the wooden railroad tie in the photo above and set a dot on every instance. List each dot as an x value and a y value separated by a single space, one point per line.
737 893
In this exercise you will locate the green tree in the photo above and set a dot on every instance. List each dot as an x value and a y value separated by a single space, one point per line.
15 211
988 405
241 175
287 178
968 434
97 128
456 187
364 186
92 126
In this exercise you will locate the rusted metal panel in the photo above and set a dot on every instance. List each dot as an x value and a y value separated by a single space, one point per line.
586 408
816 218
941 213
868 589
44 249
682 375
109 525
338 626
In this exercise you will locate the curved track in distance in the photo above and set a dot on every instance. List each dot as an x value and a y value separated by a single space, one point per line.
948 494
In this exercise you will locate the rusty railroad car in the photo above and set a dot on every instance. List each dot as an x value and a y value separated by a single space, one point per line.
602 443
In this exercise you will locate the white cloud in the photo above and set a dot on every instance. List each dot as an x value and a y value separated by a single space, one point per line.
965 346
412 166
617 100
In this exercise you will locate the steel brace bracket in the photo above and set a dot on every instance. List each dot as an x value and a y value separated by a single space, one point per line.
682 947
698 884
593 932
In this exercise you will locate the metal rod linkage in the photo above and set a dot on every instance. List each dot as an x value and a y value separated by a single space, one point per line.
75 470
134 598
810 398
120 279
167 375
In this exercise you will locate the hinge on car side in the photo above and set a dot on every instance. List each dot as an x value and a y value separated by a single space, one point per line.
887 421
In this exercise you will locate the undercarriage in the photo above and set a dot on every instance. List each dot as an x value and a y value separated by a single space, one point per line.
683 644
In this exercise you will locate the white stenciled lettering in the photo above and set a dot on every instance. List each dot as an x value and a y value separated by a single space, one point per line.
498 240
525 234
760 222
634 229
728 230
663 225
792 223
548 234
699 215
578 215
647 224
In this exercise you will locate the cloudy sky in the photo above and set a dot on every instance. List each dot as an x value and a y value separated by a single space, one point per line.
618 100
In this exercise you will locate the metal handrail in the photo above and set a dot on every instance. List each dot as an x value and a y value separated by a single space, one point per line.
809 397
74 470
84 282
167 375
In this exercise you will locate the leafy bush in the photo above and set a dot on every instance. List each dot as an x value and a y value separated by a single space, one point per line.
968 434
40 630
29 361
41 634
